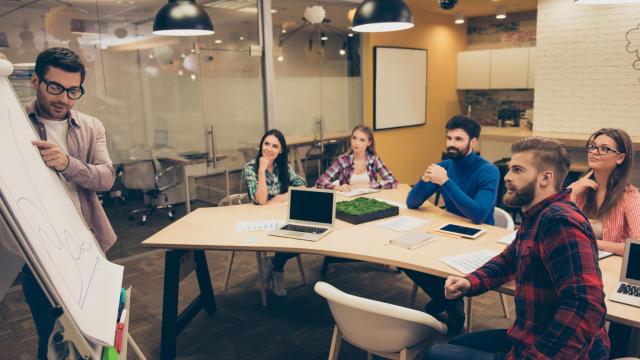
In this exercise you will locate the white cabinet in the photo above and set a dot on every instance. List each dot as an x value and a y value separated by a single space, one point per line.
511 68
474 69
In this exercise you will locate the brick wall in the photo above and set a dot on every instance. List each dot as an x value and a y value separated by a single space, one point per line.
585 76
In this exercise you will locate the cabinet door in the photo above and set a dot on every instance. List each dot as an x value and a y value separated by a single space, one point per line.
531 83
474 69
509 68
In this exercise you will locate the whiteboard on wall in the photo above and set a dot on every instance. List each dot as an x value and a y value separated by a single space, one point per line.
55 234
400 87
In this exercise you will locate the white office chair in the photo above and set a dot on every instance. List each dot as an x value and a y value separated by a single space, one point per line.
238 199
386 330
504 220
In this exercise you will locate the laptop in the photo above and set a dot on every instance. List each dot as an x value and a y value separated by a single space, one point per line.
628 289
312 215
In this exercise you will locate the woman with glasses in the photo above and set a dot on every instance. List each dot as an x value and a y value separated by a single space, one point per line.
605 195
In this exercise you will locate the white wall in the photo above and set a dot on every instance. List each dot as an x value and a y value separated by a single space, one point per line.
585 77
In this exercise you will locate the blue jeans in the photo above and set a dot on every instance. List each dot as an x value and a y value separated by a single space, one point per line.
479 345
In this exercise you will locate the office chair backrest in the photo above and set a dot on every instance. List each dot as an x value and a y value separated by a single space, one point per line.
503 219
234 199
377 326
139 175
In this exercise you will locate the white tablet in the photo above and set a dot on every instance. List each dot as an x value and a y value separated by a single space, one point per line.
460 230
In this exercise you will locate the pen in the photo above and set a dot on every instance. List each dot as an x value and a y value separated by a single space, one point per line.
119 330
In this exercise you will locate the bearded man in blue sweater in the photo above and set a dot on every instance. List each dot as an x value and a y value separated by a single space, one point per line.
468 184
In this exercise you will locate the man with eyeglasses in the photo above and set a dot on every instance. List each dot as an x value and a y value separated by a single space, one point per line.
74 145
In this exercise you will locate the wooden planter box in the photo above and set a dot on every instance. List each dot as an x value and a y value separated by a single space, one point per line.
376 215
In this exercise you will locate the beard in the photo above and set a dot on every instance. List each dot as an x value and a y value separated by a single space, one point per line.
520 197
454 153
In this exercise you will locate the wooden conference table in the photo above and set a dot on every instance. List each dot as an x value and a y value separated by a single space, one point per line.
214 229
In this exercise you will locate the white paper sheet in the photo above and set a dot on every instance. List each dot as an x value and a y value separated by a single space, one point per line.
469 262
356 192
508 239
403 223
394 203
258 225
87 284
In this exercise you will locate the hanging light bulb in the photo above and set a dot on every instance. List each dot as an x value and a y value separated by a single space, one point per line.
323 36
501 12
343 50
459 18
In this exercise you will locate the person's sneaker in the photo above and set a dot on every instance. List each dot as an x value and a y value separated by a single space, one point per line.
279 288
267 270
455 318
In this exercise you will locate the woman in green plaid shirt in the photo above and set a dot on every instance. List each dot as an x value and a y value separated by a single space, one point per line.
268 178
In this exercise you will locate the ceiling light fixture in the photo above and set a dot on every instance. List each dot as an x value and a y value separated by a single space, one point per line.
182 18
459 18
501 12
382 16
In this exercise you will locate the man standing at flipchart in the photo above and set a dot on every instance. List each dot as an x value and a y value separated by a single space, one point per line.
73 144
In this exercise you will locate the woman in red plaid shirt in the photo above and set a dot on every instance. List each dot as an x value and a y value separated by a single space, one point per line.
359 167
560 310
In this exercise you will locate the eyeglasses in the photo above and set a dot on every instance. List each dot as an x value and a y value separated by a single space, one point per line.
53 88
601 149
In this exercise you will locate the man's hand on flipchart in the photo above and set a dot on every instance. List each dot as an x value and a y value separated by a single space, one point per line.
52 155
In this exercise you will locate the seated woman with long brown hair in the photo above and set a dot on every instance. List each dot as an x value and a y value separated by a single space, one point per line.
359 167
605 195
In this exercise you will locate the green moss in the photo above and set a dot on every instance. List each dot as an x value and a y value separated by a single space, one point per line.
361 206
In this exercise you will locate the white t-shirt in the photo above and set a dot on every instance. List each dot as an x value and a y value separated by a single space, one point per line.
57 133
357 179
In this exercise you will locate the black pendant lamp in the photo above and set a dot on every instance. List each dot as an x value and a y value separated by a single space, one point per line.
182 18
382 16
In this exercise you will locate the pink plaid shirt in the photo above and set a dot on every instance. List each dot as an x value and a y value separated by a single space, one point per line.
623 221
342 169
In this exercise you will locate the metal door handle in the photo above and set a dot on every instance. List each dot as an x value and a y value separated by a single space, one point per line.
211 148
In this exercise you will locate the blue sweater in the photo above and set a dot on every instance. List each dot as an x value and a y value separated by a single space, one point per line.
470 191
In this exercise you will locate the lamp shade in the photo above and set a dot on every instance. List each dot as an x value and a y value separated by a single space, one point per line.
182 18
382 16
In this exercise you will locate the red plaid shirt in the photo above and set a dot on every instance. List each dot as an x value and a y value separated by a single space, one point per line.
560 310
342 169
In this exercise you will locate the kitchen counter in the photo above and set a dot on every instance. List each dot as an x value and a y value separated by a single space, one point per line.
510 134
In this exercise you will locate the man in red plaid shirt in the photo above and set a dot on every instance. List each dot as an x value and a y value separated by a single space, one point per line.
560 311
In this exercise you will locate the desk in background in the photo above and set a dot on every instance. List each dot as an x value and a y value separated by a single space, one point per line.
214 229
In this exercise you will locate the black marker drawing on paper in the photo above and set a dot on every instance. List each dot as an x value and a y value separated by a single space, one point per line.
633 45
71 257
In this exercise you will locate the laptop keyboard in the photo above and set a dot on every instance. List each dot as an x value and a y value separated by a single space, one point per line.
629 289
304 229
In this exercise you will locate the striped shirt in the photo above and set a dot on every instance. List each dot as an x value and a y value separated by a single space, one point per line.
343 167
273 180
623 221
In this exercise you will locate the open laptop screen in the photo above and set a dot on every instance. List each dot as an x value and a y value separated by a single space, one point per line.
633 262
313 206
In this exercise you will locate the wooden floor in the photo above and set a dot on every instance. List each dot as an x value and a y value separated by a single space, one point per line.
296 327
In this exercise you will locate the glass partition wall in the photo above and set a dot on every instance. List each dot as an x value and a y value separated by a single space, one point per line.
317 67
173 96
